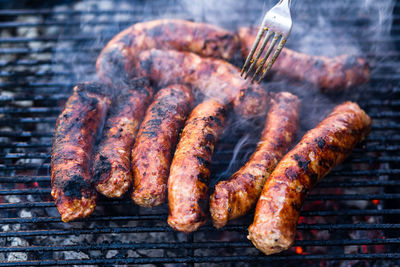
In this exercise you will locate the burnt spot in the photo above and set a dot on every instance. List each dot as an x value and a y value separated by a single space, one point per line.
139 83
74 187
210 138
301 162
202 177
296 206
216 120
155 31
321 142
207 149
146 64
291 174
202 161
223 111
150 134
319 64
101 169
153 123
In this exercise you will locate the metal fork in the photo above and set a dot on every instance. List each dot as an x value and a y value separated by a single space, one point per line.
278 22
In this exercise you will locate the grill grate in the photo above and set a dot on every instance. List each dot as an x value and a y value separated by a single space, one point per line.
351 216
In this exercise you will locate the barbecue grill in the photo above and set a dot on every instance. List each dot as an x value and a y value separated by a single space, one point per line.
351 218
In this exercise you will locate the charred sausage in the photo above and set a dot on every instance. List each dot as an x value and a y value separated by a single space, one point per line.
119 61
73 141
209 77
238 195
328 74
155 144
322 148
190 168
112 174
203 39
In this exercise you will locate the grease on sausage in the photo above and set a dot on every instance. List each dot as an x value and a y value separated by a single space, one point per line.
239 194
190 168
74 138
155 144
322 148
112 174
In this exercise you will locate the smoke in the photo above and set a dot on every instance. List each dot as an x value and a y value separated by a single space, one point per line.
323 28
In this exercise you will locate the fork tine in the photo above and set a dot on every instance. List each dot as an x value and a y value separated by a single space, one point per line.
255 60
253 49
271 46
276 54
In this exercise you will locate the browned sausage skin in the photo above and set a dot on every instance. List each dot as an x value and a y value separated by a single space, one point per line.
119 61
322 148
329 74
74 138
213 78
190 168
171 34
238 195
155 144
112 174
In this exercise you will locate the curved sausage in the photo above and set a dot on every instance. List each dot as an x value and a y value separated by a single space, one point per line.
112 174
209 77
171 34
239 194
322 148
190 168
328 74
155 144
119 61
74 137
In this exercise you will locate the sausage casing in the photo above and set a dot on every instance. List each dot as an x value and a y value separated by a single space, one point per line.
239 194
190 168
74 138
112 174
117 58
322 148
155 144
328 74
209 77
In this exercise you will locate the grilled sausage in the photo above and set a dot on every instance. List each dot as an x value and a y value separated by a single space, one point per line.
112 174
213 78
328 74
322 148
74 138
238 195
171 34
190 168
155 144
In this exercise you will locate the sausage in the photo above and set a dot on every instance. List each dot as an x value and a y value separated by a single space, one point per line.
321 149
120 60
209 77
155 144
171 34
112 174
329 74
74 137
238 195
190 168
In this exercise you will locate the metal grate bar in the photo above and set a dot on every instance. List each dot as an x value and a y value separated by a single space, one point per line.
207 228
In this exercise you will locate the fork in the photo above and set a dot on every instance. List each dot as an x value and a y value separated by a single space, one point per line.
278 22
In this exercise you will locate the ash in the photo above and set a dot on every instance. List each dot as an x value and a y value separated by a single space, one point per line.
30 225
